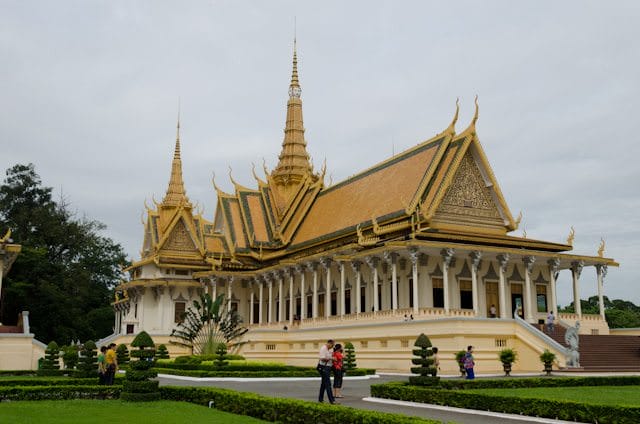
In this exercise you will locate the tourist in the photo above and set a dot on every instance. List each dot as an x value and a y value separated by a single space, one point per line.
492 311
469 363
338 371
111 362
436 360
550 319
406 318
411 317
102 369
325 360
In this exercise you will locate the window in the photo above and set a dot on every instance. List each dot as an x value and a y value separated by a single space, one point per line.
347 301
541 297
182 272
466 295
363 299
438 293
135 311
410 281
129 328
178 315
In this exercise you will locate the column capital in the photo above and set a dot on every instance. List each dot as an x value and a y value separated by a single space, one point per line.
503 261
355 265
528 262
554 264
576 268
299 268
602 270
372 261
475 256
326 263
311 266
213 280
447 256
390 257
414 254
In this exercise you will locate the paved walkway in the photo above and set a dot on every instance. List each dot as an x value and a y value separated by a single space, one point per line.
357 395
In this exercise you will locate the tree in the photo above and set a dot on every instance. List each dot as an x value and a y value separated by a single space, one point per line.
162 352
51 362
137 387
221 353
70 356
618 313
66 271
426 369
207 324
88 363
122 354
349 357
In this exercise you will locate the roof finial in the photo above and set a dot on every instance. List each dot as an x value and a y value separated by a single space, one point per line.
451 129
294 87
175 192
475 115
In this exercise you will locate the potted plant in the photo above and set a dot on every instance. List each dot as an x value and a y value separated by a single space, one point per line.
507 357
459 357
547 359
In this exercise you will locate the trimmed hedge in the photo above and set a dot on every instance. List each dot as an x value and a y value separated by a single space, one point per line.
17 372
63 381
251 374
251 367
564 410
515 383
282 410
59 392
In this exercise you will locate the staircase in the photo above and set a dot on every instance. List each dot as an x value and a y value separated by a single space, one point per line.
604 353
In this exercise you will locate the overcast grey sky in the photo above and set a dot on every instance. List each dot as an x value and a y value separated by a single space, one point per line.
89 93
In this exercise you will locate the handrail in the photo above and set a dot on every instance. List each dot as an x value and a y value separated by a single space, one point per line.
557 346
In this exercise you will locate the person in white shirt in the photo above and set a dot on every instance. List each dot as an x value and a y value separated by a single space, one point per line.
325 361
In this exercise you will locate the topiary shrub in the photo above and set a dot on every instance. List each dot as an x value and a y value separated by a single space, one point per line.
349 357
507 357
190 360
70 356
122 354
162 352
426 368
88 363
137 387
460 361
51 361
221 353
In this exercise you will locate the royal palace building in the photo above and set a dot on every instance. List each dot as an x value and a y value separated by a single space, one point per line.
421 242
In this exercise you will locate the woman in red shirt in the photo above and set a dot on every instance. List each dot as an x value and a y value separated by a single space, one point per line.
338 371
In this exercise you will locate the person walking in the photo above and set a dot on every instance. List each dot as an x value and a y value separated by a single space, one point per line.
338 371
325 361
102 368
550 320
469 363
436 360
111 363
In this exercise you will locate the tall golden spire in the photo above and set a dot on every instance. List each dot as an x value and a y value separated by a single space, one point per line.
175 192
294 163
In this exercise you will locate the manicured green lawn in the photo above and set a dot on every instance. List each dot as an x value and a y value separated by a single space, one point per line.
602 395
113 411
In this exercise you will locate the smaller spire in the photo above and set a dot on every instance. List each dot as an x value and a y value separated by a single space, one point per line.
175 192
294 88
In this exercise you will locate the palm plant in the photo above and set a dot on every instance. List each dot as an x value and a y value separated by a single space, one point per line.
208 324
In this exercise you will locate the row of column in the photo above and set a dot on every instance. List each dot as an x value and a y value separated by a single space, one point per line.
448 261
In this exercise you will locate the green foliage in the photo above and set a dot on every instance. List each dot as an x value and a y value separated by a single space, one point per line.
618 313
137 387
207 324
189 359
122 354
88 363
70 356
58 392
282 410
508 356
349 357
422 357
162 352
66 270
221 353
573 411
547 359
51 362
51 381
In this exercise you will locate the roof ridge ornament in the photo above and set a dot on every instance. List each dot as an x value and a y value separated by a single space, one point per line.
572 236
471 129
451 129
601 248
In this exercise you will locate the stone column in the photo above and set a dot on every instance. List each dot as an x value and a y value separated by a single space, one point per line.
314 301
576 270
303 297
528 267
229 294
602 272
503 262
554 264
373 264
343 277
447 261
292 299
391 259
279 275
326 263
260 293
251 301
355 265
214 288
413 255
270 306
475 256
